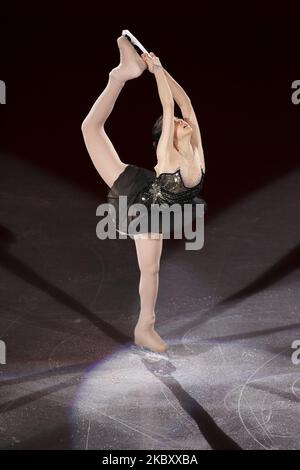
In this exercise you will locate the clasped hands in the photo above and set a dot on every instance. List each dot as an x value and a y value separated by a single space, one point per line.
151 60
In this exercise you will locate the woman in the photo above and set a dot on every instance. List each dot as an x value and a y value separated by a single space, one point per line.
178 174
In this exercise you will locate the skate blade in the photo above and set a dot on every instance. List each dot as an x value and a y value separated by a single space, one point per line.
134 40
144 351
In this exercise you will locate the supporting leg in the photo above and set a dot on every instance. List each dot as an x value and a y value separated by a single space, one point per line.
148 253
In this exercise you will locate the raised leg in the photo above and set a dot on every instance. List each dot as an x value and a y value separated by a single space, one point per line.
131 64
148 253
100 148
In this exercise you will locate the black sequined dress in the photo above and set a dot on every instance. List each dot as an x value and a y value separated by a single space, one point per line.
143 186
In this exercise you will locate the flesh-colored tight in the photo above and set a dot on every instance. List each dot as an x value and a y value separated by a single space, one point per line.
109 165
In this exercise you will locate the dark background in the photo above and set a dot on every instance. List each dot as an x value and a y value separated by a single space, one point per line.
236 63
69 301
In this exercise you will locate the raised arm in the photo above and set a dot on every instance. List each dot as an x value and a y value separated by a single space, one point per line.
178 93
165 143
187 110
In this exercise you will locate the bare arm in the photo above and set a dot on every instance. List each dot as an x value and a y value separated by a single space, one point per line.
178 93
188 113
187 110
164 89
165 143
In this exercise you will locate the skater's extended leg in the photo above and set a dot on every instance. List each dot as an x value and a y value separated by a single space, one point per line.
101 150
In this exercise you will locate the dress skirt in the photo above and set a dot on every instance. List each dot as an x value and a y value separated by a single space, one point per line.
131 183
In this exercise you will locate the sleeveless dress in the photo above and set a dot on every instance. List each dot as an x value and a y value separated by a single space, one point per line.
143 186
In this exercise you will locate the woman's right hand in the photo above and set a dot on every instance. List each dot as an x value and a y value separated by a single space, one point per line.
151 61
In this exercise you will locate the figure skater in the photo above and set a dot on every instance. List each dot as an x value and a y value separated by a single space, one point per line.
178 175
